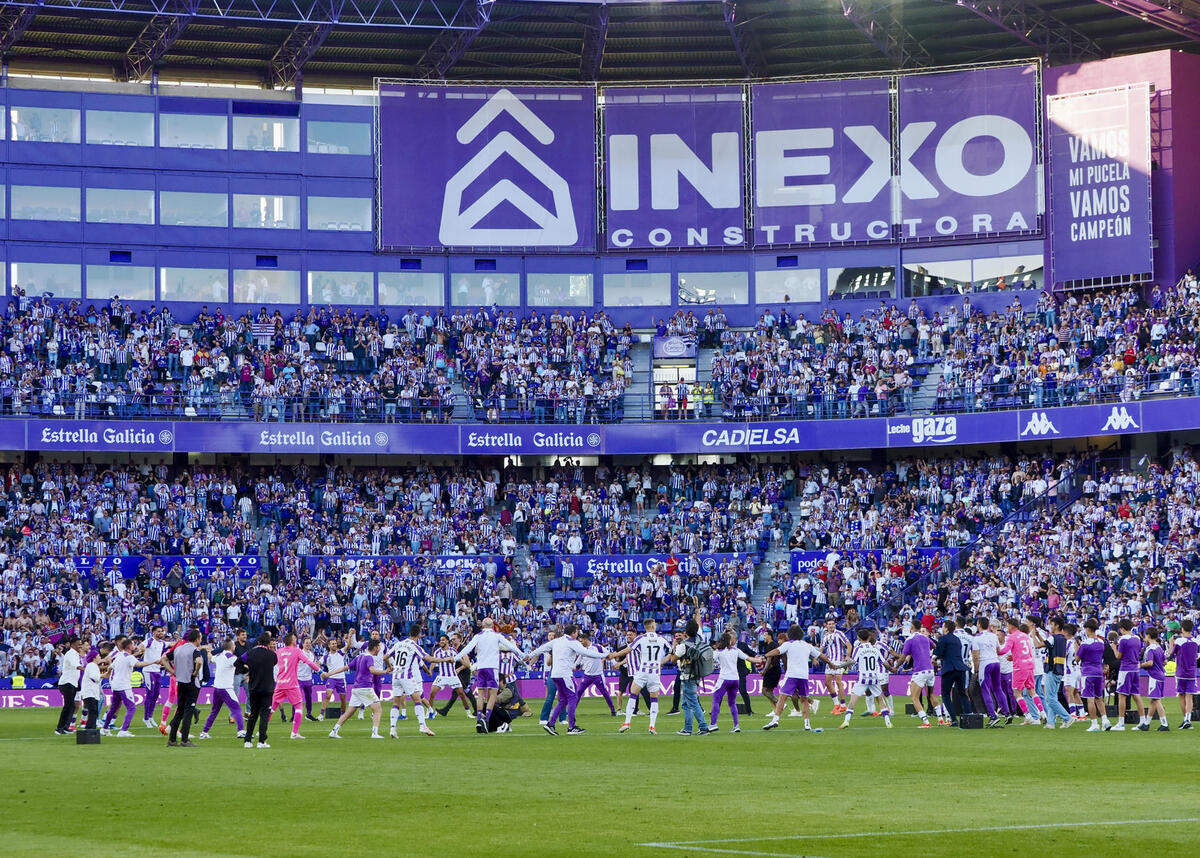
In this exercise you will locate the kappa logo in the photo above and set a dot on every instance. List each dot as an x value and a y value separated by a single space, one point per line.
1119 420
460 226
1039 424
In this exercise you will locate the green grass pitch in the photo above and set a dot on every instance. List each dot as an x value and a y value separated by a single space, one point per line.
865 791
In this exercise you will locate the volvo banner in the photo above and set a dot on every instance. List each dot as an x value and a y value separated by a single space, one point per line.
675 167
476 166
968 153
822 161
1100 183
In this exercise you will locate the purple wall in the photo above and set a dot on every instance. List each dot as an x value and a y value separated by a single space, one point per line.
1174 111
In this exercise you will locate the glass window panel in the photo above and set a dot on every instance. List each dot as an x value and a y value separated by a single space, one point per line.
644 289
339 138
192 131
412 288
345 214
266 134
789 286
120 205
484 290
263 211
120 128
266 286
873 281
44 124
714 288
192 208
951 277
128 282
194 284
41 202
559 290
60 279
1017 272
341 287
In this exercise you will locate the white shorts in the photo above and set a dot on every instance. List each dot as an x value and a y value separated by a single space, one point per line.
834 671
1074 680
447 682
363 697
868 688
652 682
923 679
405 687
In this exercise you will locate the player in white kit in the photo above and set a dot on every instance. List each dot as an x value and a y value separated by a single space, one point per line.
446 676
868 661
405 659
646 656
487 646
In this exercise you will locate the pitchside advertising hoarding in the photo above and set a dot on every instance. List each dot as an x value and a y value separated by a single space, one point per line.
635 565
498 167
513 168
1100 183
1082 421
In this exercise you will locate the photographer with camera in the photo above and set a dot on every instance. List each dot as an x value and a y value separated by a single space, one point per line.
695 659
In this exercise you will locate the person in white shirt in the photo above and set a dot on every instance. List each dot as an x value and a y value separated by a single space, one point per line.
565 650
727 654
647 652
593 673
155 648
124 663
799 653
224 666
68 683
985 652
90 691
487 646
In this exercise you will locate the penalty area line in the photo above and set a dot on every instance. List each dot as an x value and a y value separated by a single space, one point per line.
708 845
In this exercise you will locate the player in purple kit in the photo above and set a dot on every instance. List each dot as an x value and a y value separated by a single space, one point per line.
124 663
1129 649
564 650
1154 663
154 648
727 655
1184 651
799 653
224 666
364 694
985 648
1090 656
593 673
919 650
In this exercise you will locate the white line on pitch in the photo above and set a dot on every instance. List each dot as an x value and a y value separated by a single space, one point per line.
692 844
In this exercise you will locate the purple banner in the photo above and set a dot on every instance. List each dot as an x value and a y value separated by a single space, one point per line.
968 146
1100 183
633 565
951 429
502 167
822 161
675 167
548 439
808 561
675 347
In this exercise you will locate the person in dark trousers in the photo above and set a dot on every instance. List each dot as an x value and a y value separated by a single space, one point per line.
744 671
187 665
949 653
677 691
260 686
69 663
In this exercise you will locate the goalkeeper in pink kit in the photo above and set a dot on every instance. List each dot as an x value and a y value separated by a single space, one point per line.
287 681
1019 647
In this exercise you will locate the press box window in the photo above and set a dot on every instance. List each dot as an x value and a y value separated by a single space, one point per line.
44 124
559 290
59 279
341 287
341 214
120 205
128 282
266 134
256 286
40 202
338 138
192 131
194 284
258 211
192 208
637 290
119 128
411 288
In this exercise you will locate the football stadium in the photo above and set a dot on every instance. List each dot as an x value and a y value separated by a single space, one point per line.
599 427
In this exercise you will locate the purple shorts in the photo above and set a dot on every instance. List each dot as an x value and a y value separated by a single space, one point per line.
1155 688
1185 686
338 685
1093 686
792 685
485 677
1127 682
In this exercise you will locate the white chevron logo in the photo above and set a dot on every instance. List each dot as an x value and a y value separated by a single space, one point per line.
1119 420
460 227
1039 424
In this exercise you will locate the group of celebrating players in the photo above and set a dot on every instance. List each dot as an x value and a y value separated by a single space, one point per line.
1016 668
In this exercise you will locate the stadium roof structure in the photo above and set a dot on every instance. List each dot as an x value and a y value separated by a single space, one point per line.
347 43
